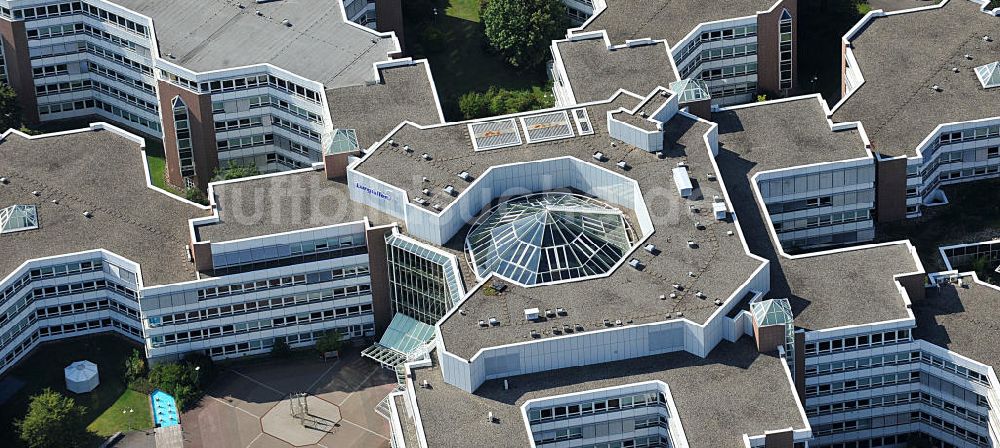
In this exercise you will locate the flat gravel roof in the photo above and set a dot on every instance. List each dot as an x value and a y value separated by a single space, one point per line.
733 391
206 35
901 56
668 19
100 172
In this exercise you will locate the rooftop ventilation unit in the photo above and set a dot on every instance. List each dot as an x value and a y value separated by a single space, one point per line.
719 208
425 384
936 88
420 201
531 314
683 181
425 179
437 206
718 302
622 164
448 189
36 193
968 56
678 286
286 22
425 156
482 323
464 175
651 248
258 12
987 38
700 295
599 156
392 142
494 322
635 263
535 334
407 148
426 192
88 214
3 180
692 244
499 287
549 313
561 311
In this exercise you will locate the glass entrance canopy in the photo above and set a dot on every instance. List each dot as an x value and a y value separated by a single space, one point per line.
548 237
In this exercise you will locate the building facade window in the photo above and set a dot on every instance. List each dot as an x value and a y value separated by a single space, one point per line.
785 51
182 130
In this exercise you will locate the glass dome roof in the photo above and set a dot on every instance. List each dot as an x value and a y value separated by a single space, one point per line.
548 237
18 217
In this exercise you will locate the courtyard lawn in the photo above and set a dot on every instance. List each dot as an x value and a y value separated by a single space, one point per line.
460 60
44 368
130 412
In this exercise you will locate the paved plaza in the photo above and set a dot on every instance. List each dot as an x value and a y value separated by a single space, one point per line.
248 406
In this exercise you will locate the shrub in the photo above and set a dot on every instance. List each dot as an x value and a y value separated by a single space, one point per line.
503 101
330 342
181 380
235 171
280 349
194 194
135 367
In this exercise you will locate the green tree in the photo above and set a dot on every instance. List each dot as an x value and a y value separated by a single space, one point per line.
280 349
179 380
521 30
474 105
53 420
235 171
10 109
330 342
194 194
135 366
503 101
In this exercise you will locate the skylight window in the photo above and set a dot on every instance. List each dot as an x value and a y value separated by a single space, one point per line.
344 140
690 90
17 218
547 237
989 74
494 134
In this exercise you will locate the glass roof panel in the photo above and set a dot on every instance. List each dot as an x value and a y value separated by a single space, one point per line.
344 140
772 312
690 90
550 236
989 74
18 217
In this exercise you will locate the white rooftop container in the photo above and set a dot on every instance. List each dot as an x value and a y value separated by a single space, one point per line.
683 181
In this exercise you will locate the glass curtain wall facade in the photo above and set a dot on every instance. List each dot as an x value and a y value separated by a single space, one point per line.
418 284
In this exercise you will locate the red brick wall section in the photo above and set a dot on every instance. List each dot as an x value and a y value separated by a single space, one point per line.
202 254
206 154
335 165
18 61
389 17
890 190
379 268
767 49
800 365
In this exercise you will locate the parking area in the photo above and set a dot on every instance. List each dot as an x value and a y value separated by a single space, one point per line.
248 406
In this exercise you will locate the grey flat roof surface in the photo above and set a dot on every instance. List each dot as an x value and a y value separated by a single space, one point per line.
284 203
896 5
902 56
648 107
406 94
595 72
786 134
852 287
720 262
100 172
668 19
206 35
407 424
961 319
733 391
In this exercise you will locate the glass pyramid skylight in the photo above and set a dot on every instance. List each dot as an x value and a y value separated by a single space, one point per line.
690 90
344 140
549 237
989 74
772 312
17 218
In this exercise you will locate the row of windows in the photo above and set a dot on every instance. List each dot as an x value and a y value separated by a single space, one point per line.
785 53
182 137
69 29
90 104
724 90
835 200
46 292
254 81
738 32
813 222
969 155
259 101
867 382
288 250
149 106
893 359
950 427
241 123
50 70
299 279
245 142
895 400
283 160
601 430
117 76
967 135
636 442
856 342
39 274
29 342
75 7
296 128
730 71
811 182
85 307
262 324
714 54
259 305
969 172
350 331
112 56
595 406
